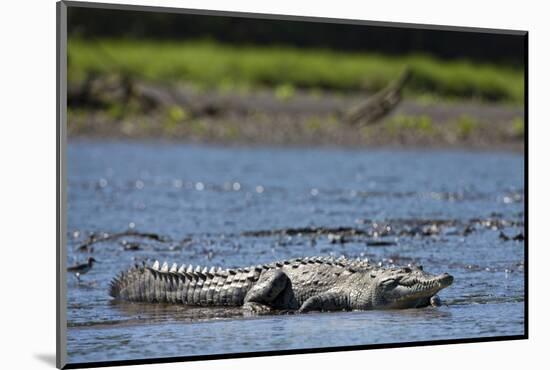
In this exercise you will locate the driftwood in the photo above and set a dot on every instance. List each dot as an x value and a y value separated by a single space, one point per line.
379 104
94 238
98 90
101 91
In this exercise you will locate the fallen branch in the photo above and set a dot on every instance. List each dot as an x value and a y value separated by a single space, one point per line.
93 238
379 104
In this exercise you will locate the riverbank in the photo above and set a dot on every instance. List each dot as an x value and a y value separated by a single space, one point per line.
302 118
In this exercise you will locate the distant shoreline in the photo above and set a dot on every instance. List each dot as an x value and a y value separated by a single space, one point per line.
262 118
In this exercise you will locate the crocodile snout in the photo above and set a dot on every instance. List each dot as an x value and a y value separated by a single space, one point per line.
445 279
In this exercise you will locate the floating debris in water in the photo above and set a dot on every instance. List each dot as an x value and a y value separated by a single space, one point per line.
93 238
130 246
518 237
380 243
336 238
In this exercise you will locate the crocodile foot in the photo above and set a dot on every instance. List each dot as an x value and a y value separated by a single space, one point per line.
256 308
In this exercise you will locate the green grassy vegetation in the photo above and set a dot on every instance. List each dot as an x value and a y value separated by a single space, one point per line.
411 123
229 68
466 126
518 127
285 91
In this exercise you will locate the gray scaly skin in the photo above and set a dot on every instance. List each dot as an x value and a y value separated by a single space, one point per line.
304 284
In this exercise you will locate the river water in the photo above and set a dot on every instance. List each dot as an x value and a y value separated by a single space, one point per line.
451 211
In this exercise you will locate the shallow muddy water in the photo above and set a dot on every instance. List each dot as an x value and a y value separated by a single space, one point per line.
454 212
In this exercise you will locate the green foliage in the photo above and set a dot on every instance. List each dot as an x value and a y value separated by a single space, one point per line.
232 132
466 125
420 124
518 127
212 65
313 123
284 91
173 116
176 113
76 118
115 111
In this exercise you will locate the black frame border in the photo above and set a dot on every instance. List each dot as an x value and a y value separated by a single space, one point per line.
61 210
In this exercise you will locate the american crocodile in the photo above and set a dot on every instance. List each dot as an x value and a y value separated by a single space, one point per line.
304 284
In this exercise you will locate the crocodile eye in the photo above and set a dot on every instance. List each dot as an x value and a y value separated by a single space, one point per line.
420 267
389 282
407 269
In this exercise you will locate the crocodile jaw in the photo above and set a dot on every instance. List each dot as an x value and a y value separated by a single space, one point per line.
413 293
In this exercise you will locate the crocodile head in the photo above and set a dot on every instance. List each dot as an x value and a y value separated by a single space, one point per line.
406 287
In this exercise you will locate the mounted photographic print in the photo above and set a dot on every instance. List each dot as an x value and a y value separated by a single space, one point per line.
235 185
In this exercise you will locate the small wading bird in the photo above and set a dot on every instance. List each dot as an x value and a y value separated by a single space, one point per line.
82 268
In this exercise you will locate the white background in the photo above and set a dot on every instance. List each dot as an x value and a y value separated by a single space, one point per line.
27 165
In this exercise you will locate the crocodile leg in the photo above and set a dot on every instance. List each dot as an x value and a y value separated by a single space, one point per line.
328 301
273 290
435 301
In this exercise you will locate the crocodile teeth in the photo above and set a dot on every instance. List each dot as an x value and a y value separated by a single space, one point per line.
190 269
219 270
212 270
181 269
164 267
156 265
174 268
198 269
205 270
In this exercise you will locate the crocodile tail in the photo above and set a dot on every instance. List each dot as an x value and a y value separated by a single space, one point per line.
185 285
130 285
160 284
144 284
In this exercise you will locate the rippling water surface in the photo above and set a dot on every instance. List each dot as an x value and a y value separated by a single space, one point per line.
453 212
